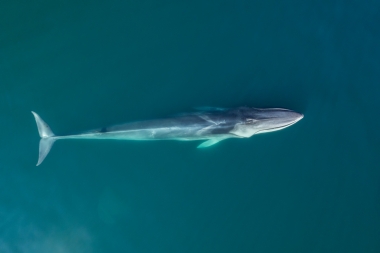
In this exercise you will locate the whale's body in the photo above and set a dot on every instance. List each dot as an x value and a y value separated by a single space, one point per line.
210 124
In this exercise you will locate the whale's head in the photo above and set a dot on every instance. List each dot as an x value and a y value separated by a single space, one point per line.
257 121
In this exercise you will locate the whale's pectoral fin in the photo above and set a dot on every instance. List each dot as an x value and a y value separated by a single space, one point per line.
210 142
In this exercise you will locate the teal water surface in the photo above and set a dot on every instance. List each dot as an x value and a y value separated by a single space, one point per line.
313 187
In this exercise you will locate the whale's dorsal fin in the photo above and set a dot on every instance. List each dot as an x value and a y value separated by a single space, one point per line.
210 142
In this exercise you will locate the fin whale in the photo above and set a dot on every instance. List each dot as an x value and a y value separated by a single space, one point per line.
208 123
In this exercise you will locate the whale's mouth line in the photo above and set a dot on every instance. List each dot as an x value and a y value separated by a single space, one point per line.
278 128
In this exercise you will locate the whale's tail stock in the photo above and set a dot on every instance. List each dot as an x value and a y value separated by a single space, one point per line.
47 138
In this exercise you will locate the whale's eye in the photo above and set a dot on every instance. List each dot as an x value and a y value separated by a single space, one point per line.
249 121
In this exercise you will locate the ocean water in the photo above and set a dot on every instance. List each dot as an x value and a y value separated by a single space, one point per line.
313 187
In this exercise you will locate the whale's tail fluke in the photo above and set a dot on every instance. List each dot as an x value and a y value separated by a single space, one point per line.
47 138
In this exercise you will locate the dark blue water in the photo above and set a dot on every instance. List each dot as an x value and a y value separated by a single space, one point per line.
313 187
